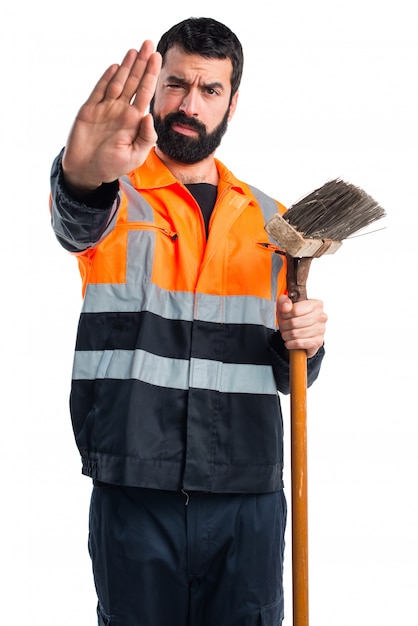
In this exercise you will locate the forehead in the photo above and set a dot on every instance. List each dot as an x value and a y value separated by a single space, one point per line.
195 68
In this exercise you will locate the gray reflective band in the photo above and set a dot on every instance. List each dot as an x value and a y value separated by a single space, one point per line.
174 373
269 208
139 210
123 298
131 364
267 204
179 305
235 310
232 377
140 256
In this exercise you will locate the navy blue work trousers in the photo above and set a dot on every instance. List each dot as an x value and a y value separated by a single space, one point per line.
173 559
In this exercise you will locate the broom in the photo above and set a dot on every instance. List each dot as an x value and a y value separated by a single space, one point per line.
314 226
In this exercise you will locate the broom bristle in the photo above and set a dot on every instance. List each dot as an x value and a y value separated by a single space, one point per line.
334 211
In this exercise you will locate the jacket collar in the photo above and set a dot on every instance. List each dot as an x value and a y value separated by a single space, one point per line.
153 173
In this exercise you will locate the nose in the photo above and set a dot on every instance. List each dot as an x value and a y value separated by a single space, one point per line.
188 105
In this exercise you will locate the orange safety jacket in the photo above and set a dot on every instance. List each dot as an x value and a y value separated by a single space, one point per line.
178 361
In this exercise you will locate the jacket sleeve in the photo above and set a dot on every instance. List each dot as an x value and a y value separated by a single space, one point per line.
80 223
281 366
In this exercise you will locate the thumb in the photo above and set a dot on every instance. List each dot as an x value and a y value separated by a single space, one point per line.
147 132
284 304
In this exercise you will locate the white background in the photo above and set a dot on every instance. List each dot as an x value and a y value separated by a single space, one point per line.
329 89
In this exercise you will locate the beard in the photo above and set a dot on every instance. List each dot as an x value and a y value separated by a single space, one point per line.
186 149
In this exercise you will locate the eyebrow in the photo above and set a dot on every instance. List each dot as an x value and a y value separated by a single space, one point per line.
183 81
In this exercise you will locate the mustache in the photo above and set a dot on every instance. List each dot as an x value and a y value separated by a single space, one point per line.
178 117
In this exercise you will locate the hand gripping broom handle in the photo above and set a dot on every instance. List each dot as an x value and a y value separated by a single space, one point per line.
297 274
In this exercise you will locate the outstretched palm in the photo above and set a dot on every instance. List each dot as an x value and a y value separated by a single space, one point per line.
113 133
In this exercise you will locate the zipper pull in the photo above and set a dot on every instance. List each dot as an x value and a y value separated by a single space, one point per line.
271 248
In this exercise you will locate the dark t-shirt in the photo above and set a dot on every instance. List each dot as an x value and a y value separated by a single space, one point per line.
205 195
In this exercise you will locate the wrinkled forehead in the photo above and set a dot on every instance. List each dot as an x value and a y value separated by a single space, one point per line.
193 68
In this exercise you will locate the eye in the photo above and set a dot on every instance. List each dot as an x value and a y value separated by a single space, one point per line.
213 89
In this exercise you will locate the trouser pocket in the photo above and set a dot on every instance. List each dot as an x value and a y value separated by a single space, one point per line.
272 615
103 619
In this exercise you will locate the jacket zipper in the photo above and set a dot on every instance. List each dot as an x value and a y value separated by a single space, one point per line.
271 247
147 226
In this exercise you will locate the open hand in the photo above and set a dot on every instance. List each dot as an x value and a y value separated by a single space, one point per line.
113 133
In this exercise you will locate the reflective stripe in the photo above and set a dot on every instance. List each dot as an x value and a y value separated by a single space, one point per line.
139 266
131 364
105 298
267 204
235 310
232 377
108 298
174 373
269 208
139 210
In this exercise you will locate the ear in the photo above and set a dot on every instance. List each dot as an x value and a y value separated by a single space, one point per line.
233 106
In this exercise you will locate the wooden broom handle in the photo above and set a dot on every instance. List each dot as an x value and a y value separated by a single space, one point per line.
297 275
299 469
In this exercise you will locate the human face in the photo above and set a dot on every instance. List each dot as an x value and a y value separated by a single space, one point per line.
192 105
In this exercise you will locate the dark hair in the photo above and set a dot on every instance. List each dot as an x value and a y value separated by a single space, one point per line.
208 38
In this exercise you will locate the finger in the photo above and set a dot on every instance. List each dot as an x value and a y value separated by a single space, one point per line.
306 309
311 346
99 91
136 63
124 80
306 332
118 82
145 88
303 326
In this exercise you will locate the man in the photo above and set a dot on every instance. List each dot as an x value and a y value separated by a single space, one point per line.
182 344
